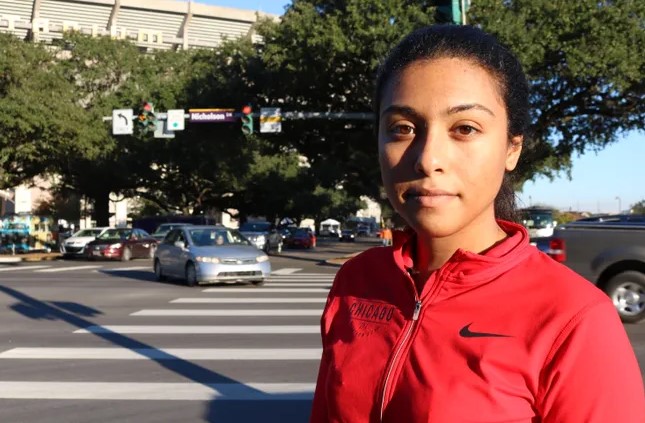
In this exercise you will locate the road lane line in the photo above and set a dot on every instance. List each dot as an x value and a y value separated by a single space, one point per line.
193 330
125 269
299 284
267 290
18 268
285 271
228 313
202 300
118 391
163 354
64 269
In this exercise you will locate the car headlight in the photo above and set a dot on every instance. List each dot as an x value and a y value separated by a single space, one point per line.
117 245
207 259
262 258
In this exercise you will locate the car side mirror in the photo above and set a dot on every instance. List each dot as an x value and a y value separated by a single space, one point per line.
180 244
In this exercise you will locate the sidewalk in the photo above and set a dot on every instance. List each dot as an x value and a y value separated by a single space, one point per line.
339 261
28 257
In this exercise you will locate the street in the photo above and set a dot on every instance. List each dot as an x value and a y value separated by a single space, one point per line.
104 341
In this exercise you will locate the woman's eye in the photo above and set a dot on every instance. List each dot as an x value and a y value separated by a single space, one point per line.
402 130
466 130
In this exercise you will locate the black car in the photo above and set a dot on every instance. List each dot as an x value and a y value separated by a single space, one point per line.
348 235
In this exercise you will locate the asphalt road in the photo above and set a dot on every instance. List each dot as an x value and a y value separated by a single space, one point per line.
104 342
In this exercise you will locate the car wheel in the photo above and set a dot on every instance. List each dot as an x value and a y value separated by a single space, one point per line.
191 275
158 272
258 283
126 255
627 291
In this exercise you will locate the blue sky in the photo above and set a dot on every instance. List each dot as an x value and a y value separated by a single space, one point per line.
597 179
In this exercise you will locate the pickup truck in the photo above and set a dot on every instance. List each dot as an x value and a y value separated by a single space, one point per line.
609 254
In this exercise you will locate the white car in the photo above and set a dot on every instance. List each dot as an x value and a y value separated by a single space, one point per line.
75 244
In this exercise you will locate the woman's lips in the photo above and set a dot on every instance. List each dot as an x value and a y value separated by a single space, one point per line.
429 198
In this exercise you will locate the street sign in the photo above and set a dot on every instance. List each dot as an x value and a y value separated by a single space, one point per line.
270 120
175 119
212 115
161 130
122 122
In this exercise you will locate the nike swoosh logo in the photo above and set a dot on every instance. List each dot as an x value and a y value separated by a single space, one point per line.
467 333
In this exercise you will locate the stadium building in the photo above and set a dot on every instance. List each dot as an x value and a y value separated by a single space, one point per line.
158 24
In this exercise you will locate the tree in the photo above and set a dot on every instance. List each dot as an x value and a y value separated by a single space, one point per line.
109 74
585 68
638 208
38 118
329 51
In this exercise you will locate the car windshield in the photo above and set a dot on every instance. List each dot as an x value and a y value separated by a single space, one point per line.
115 234
87 232
213 237
255 227
538 220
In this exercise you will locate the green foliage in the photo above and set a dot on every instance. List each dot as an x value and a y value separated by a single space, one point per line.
585 63
638 208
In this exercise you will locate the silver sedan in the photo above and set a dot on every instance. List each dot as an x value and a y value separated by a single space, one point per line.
210 254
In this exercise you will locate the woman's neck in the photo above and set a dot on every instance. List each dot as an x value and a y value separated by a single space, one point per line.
431 253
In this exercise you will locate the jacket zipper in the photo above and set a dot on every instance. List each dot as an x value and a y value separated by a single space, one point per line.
415 318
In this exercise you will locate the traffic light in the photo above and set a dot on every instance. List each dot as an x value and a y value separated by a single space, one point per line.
146 120
247 120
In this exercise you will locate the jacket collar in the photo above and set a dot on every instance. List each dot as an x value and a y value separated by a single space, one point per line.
466 267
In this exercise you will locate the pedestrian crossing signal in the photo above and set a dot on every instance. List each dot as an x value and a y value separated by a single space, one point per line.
247 120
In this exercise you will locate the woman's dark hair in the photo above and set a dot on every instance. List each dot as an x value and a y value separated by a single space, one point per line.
469 43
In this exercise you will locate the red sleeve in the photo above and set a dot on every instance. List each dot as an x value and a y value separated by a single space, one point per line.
591 374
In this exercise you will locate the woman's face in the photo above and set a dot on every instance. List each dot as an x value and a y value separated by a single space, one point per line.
443 144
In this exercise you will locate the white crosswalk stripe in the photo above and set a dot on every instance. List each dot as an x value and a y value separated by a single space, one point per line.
163 354
289 306
246 300
15 268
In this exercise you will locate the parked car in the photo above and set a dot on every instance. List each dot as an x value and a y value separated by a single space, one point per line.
263 235
610 255
210 254
348 235
162 230
301 237
122 244
75 245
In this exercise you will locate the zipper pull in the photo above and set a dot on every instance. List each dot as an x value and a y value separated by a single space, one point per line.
417 310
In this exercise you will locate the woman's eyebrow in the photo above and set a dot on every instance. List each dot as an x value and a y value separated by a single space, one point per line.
402 110
473 106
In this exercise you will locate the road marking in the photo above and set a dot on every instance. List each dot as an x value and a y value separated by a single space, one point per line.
125 269
64 269
163 353
16 268
265 290
297 275
330 280
299 285
285 271
201 300
228 313
192 330
156 391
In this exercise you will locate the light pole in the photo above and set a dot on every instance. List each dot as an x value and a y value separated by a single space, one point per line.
619 205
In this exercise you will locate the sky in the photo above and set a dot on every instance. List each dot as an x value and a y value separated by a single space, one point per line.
605 182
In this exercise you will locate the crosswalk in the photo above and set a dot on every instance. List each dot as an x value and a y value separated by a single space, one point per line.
260 326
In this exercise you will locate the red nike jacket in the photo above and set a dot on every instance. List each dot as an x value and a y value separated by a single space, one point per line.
507 336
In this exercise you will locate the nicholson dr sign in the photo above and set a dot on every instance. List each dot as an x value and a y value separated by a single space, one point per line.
212 115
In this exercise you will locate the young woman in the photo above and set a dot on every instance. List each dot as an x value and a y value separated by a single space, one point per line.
461 320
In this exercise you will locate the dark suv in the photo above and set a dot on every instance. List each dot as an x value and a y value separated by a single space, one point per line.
263 235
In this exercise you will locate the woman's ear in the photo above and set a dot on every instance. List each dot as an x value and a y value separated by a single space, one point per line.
513 152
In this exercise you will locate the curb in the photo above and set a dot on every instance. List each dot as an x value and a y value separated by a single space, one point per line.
339 261
20 258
